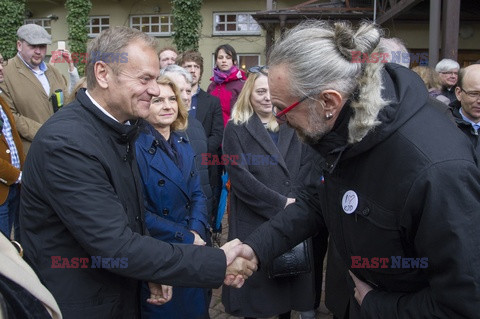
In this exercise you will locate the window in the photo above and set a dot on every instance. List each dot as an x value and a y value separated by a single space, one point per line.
97 24
235 23
46 23
154 25
246 61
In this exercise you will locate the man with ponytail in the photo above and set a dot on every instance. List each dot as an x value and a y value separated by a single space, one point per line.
399 184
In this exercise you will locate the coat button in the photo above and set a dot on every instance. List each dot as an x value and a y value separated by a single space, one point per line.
192 173
7 151
188 206
366 211
165 211
161 182
137 218
287 183
151 150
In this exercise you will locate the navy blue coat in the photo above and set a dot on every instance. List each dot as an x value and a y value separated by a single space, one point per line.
175 205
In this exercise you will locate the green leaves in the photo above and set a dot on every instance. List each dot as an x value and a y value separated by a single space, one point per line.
77 19
187 23
11 18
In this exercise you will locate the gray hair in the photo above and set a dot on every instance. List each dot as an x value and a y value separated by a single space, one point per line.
173 68
395 48
108 47
319 56
446 65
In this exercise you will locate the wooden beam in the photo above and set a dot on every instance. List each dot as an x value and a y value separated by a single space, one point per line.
398 8
450 28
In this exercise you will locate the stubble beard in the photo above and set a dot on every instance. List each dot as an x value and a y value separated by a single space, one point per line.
315 130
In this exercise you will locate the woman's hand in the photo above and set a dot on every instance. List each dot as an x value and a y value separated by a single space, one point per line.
198 240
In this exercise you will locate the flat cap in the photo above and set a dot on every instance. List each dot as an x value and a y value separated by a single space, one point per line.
34 34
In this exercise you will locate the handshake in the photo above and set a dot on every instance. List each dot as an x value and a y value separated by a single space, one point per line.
241 263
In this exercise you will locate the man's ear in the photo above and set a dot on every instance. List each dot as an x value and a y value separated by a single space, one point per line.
458 90
19 44
103 74
333 101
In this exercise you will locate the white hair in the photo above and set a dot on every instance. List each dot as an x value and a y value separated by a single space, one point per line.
173 68
446 65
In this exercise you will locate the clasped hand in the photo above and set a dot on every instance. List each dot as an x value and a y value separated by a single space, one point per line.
241 263
159 294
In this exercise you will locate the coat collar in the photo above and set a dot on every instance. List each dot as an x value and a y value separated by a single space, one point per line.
159 161
126 133
256 129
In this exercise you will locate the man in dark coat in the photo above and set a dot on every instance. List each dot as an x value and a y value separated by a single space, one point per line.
466 109
82 219
206 108
401 187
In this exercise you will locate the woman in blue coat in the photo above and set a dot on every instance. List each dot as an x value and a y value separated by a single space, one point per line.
176 205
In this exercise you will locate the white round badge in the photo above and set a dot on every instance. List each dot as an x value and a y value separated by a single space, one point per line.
349 202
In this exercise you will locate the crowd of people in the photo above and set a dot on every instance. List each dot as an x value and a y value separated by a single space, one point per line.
111 184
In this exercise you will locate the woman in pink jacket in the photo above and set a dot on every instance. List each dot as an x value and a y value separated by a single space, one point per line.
227 80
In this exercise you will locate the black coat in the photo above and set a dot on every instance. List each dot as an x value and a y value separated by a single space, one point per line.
209 113
465 127
82 197
415 193
259 191
195 134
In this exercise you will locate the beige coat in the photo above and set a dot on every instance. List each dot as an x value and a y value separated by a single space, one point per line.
16 269
30 105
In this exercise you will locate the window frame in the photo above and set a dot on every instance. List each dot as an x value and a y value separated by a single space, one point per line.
89 25
251 21
43 20
150 24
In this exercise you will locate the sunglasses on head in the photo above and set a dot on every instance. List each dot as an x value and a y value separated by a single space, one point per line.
259 69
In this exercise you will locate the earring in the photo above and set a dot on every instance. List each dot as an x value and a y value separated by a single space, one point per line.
328 116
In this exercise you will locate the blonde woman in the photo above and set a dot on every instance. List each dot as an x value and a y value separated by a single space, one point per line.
175 203
266 164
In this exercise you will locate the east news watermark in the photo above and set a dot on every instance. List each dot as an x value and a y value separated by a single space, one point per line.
239 159
89 262
95 56
389 262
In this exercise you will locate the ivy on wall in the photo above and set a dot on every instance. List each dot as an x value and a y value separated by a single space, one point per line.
11 18
187 23
77 18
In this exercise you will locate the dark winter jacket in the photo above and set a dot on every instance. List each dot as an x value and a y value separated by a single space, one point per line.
209 113
262 177
409 189
465 127
82 197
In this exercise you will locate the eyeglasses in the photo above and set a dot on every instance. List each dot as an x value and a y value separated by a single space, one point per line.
449 73
281 116
259 69
472 94
4 62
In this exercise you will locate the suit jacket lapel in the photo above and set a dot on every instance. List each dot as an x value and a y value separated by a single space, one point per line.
28 74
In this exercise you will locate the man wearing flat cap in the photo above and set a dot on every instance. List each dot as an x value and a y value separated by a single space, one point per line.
29 83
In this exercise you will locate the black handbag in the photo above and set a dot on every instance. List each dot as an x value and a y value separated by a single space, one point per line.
294 262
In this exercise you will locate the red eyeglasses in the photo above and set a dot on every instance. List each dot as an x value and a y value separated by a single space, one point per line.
280 116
